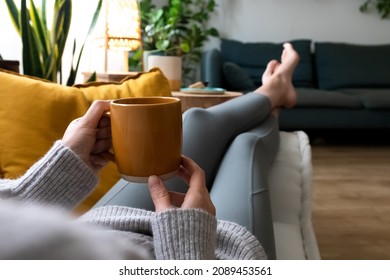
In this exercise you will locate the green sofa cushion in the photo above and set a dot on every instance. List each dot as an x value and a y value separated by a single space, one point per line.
254 57
316 98
372 98
341 65
236 78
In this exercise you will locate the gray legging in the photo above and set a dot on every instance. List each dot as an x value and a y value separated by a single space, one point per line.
234 143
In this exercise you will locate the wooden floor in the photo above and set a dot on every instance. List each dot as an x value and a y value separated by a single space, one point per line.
351 200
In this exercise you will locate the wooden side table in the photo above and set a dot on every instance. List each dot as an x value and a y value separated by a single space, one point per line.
189 100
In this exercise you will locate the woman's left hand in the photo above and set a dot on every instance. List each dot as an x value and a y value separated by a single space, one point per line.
197 195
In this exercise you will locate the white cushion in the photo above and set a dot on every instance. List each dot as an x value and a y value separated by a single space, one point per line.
290 186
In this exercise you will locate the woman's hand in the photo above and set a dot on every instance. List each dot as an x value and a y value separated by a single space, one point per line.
197 195
90 136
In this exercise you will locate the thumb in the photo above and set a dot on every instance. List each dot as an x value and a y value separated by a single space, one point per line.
159 194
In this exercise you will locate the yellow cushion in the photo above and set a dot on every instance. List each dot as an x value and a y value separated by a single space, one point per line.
34 113
152 83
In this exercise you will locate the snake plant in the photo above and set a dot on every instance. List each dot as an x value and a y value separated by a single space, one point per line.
43 47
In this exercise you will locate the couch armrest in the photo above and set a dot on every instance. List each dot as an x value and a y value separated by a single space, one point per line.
290 187
211 68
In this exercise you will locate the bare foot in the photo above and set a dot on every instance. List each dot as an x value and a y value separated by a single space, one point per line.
277 79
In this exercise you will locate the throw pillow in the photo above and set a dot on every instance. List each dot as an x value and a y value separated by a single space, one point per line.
341 65
254 57
34 113
236 78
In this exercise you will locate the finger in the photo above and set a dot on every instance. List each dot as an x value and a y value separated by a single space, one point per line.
102 146
188 164
107 155
95 112
104 122
159 194
177 198
197 177
98 162
197 195
103 133
184 175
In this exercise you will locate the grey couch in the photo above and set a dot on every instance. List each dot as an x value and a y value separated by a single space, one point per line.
339 85
290 234
254 179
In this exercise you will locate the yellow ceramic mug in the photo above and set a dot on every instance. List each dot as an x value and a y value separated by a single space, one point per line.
147 137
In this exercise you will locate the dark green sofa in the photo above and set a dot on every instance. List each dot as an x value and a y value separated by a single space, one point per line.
339 85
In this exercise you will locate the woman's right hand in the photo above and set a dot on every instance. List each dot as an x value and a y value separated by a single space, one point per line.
89 137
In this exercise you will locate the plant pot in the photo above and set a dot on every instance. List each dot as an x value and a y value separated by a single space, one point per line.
11 65
170 66
145 57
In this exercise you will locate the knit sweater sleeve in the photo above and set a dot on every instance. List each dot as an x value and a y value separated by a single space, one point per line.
184 235
60 178
31 231
193 234
235 242
181 233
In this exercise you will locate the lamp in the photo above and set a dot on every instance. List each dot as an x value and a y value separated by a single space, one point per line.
121 28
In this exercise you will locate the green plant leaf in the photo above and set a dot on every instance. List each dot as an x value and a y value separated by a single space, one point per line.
29 59
40 31
382 7
211 5
43 48
14 13
185 47
74 69
92 78
157 15
95 17
213 32
39 41
61 26
73 72
43 13
162 45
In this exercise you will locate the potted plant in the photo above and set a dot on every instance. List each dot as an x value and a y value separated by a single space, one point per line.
179 29
43 47
382 6
162 47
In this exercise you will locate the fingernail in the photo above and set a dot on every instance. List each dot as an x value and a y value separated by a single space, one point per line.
153 180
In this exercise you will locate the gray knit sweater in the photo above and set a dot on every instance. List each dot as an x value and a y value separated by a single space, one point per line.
35 221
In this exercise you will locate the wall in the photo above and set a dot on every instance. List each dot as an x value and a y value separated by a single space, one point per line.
245 20
10 46
281 20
